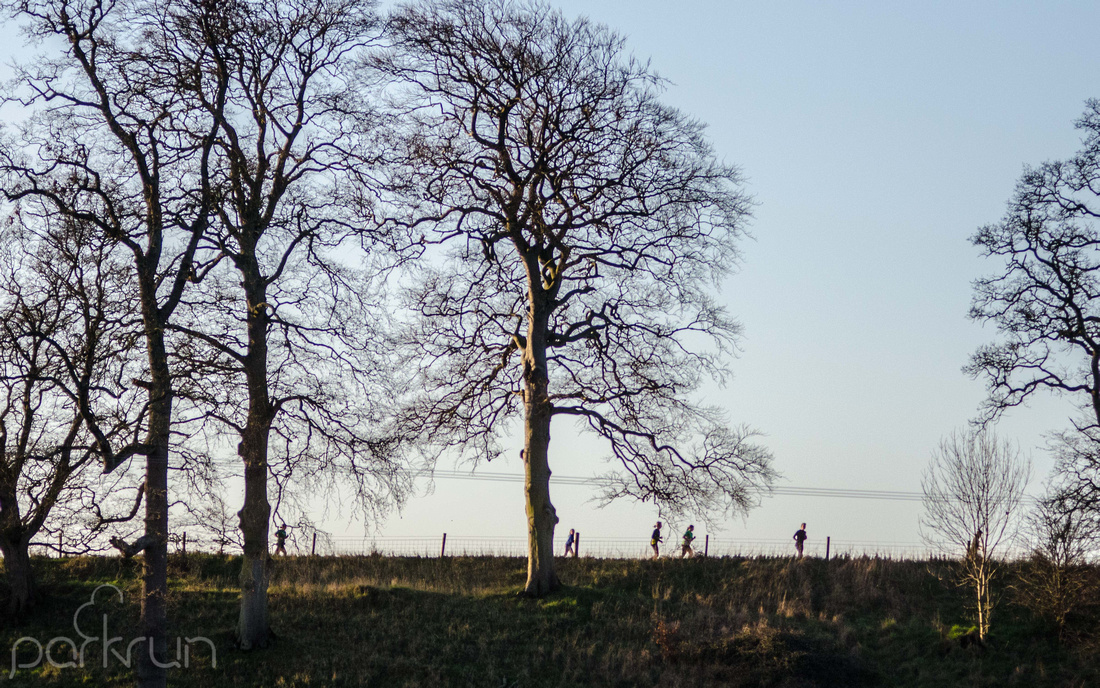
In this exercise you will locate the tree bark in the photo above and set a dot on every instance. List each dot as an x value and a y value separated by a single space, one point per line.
17 566
984 577
154 590
538 411
541 516
253 628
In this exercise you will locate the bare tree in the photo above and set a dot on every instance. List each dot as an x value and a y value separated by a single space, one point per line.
109 143
1057 580
1077 467
973 493
1045 303
587 224
281 318
65 334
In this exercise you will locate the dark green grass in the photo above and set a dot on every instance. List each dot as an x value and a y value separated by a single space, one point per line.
377 621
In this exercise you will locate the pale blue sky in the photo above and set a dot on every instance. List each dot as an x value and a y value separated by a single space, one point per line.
876 138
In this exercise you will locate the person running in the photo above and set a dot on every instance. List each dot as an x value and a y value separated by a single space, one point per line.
569 541
689 537
280 540
800 537
655 539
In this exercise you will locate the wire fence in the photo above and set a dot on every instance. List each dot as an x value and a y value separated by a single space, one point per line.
444 545
607 547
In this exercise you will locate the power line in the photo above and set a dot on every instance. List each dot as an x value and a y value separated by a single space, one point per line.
788 491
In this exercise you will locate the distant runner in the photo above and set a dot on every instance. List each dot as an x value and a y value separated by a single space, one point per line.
799 538
569 543
655 539
280 540
689 537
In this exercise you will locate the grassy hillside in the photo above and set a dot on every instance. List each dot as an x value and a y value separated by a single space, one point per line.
375 621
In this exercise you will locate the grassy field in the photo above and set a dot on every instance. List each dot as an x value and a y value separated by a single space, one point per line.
377 621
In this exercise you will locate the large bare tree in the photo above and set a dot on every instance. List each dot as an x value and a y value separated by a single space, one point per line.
283 320
108 143
587 226
1045 300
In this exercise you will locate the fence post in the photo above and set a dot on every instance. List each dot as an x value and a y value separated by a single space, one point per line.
827 543
706 545
185 543
443 547
313 550
59 552
576 544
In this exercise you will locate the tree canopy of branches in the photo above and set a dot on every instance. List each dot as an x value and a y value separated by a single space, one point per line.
109 143
279 323
1058 581
973 492
1045 303
588 224
66 334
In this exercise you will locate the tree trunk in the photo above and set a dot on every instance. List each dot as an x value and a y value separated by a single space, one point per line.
983 600
154 588
17 566
253 629
541 516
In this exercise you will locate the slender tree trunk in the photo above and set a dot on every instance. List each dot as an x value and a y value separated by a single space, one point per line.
981 576
17 566
253 628
988 612
151 671
541 516
983 600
